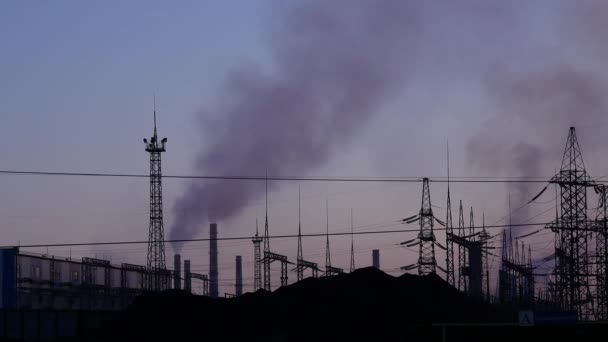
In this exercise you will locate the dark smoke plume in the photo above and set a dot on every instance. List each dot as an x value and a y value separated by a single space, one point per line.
534 108
333 65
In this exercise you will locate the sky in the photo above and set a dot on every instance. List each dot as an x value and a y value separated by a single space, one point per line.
78 81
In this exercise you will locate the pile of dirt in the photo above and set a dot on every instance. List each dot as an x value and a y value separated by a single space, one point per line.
367 304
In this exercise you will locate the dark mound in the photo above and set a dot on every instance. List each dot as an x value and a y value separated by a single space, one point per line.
367 304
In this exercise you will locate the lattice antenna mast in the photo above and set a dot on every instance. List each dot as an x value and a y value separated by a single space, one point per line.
462 253
327 252
352 243
449 231
299 269
156 240
257 256
426 258
267 285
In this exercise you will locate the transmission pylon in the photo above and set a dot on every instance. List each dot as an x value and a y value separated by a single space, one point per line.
601 249
426 258
329 269
267 285
449 231
156 239
572 267
462 253
301 264
257 270
352 243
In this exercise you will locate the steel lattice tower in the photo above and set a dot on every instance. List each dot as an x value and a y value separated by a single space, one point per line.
462 253
257 257
156 237
572 271
352 243
449 231
601 249
267 285
426 259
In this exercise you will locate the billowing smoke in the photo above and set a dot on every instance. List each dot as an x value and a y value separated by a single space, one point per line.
534 103
334 63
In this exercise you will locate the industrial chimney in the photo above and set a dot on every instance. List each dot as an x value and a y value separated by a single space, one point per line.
213 290
177 272
238 288
187 277
376 258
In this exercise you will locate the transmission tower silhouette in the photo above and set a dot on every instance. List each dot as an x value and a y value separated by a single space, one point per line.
601 248
156 240
426 259
267 285
573 232
449 232
462 253
329 269
301 264
257 267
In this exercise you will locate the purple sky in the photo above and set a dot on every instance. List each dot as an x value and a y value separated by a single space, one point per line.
76 95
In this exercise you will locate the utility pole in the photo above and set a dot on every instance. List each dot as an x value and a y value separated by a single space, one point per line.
462 253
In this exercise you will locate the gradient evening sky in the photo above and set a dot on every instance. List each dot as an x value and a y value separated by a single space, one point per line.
76 85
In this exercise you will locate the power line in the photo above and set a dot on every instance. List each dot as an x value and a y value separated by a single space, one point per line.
250 237
470 179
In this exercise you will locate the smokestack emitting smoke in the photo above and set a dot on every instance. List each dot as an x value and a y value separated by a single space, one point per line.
238 287
213 276
333 65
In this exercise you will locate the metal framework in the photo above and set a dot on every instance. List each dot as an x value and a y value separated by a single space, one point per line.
257 258
601 250
572 267
426 258
205 280
302 265
267 285
270 257
449 232
462 253
329 269
156 239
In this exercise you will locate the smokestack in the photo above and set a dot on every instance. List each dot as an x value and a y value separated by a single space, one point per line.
213 290
177 272
238 288
187 277
376 258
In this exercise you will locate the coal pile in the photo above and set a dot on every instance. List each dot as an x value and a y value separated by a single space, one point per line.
367 304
